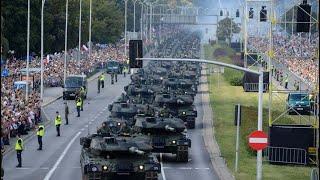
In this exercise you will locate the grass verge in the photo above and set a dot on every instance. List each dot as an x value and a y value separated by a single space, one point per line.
223 99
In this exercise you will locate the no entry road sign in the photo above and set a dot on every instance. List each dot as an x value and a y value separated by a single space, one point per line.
258 140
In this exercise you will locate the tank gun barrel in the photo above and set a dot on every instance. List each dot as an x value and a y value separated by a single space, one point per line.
136 150
168 128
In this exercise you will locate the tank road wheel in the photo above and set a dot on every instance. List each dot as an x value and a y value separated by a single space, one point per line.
182 154
151 175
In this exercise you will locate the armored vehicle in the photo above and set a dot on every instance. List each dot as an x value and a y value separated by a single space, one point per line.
123 110
114 67
173 100
115 127
73 84
104 157
168 135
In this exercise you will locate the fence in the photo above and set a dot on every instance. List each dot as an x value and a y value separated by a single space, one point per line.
254 87
284 155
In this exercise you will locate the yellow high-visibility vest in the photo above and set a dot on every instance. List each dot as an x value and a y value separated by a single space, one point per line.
101 77
19 146
40 132
58 120
78 103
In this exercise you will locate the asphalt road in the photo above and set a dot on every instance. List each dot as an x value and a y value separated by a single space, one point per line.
60 157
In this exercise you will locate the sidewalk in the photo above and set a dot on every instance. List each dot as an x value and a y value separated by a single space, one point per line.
49 96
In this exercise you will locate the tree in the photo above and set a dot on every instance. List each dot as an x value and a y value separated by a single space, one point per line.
224 29
107 23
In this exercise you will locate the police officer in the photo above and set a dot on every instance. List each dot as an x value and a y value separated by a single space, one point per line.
102 80
125 71
19 148
78 104
57 123
66 112
40 134
286 81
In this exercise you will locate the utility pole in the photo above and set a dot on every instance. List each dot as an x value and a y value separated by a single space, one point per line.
41 49
90 23
134 15
79 52
28 48
65 45
125 27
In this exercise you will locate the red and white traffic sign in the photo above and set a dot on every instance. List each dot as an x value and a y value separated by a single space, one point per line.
258 140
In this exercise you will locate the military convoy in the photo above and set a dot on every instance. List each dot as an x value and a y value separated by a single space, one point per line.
150 117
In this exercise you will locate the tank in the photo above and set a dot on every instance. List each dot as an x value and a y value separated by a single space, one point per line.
104 157
168 135
123 110
115 127
173 100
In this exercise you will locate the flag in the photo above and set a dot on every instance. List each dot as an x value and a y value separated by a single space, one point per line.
85 47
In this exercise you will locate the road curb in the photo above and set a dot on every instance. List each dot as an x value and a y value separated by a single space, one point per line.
46 121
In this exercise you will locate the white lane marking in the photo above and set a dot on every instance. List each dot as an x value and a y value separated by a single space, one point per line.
82 129
185 168
258 140
49 174
162 170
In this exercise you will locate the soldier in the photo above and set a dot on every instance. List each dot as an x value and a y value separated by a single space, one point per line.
19 148
98 85
82 95
164 112
116 76
40 134
78 105
149 111
66 112
57 123
112 77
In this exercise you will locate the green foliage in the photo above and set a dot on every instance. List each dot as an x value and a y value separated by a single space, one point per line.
234 77
224 29
224 54
107 24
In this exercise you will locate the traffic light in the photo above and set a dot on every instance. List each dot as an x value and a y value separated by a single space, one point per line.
263 14
251 13
303 17
135 51
221 13
237 13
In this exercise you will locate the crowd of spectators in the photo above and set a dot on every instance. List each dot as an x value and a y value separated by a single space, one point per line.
298 52
19 115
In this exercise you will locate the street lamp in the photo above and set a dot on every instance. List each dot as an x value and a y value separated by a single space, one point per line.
90 22
79 52
65 45
134 15
125 27
28 48
41 51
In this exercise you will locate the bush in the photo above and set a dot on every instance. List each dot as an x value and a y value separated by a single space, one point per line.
219 52
233 77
